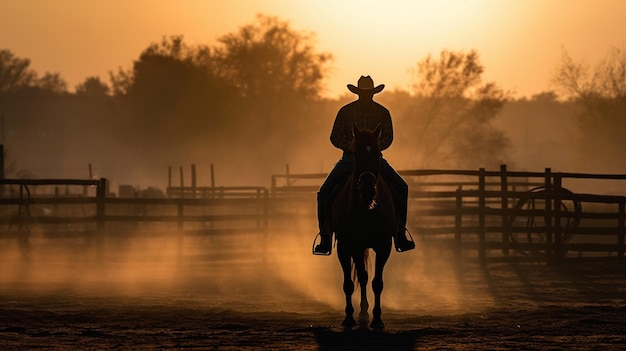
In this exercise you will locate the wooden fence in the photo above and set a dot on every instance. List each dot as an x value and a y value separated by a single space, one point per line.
496 214
85 210
525 213
503 213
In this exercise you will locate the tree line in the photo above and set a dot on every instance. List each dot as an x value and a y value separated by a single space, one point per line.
256 96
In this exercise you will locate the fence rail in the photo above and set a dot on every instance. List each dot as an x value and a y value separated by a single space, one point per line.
494 213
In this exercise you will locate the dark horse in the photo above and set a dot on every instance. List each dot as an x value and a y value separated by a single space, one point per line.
363 217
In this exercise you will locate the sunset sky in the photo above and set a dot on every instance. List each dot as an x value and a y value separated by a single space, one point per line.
519 42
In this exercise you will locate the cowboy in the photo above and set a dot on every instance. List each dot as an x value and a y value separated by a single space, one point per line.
366 114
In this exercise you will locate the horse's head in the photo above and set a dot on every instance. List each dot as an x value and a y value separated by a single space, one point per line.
367 158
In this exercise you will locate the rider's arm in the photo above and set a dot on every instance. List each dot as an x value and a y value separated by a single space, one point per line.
341 135
386 131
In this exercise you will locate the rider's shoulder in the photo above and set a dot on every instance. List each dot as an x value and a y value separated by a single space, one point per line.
380 106
357 104
351 104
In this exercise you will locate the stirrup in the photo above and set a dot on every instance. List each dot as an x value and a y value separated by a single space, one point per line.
327 253
409 240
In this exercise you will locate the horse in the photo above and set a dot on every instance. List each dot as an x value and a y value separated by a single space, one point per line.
363 217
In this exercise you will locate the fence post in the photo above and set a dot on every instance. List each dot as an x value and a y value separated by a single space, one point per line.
24 221
266 214
101 191
179 227
193 181
273 185
169 181
548 215
182 183
481 215
621 228
2 158
558 237
100 203
458 224
212 182
504 204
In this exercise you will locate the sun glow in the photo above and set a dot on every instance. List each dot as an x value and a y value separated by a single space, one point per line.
395 21
378 38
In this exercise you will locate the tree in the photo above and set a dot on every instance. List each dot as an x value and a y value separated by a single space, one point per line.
92 86
172 94
601 92
52 82
278 78
275 70
15 73
577 80
453 109
16 77
269 58
121 81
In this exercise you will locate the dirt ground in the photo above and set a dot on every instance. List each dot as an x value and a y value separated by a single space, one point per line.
205 305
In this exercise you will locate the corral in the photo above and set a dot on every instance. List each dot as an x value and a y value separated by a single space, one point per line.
231 268
493 215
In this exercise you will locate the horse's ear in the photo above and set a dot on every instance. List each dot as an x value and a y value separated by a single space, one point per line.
377 131
355 130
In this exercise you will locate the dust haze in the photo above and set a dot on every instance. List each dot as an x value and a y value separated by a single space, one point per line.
239 271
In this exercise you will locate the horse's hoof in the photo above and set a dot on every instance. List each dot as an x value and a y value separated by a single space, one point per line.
377 325
349 322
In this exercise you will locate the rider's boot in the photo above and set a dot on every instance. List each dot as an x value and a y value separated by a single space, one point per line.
402 242
325 245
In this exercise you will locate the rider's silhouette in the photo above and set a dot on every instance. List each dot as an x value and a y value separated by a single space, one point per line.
366 114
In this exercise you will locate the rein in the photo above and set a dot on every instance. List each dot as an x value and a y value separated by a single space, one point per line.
373 177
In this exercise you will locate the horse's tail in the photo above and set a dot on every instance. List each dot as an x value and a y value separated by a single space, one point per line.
366 263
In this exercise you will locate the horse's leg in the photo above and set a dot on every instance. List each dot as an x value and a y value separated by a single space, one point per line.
377 285
348 285
362 276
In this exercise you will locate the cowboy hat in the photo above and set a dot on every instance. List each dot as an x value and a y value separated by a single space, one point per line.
365 85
